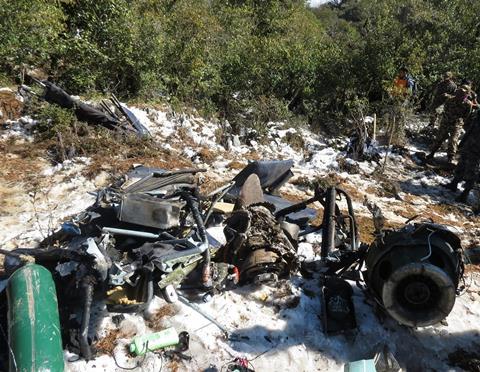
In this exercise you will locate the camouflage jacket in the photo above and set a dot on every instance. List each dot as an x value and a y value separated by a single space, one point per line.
456 108
443 89
472 96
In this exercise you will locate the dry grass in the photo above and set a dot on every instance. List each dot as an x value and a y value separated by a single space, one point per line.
354 192
470 269
365 229
13 170
12 199
406 211
20 162
235 164
115 165
107 344
317 221
371 190
332 179
207 155
438 213
210 184
174 366
295 140
253 155
186 140
156 322
294 198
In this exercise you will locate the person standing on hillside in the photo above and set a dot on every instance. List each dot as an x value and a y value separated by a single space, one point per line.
444 89
401 92
403 84
472 96
468 168
456 109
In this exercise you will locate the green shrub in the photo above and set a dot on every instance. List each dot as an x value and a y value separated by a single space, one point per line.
53 120
248 61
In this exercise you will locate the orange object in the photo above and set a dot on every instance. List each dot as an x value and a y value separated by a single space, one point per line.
400 86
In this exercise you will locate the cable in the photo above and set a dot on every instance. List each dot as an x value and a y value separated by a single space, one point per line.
154 359
429 246
242 362
262 353
246 363
461 268
137 364
161 360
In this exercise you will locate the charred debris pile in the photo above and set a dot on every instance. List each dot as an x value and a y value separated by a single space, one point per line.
151 233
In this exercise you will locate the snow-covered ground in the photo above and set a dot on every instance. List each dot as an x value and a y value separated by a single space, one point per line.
271 332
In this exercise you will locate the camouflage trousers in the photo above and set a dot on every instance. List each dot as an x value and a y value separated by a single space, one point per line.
434 111
449 129
468 168
470 119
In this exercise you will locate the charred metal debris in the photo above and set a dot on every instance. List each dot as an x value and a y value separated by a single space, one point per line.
152 233
111 114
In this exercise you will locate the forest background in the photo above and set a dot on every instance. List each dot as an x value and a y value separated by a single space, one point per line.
248 61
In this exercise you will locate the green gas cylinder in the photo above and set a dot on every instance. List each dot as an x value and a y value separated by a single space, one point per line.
33 321
154 341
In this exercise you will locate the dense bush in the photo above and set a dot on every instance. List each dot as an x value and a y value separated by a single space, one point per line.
246 60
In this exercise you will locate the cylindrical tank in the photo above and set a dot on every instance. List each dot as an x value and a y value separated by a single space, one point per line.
414 273
33 321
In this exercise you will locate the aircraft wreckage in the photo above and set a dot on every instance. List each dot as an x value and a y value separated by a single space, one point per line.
112 115
149 233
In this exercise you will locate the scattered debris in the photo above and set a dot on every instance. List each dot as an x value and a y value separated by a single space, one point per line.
119 118
338 312
152 233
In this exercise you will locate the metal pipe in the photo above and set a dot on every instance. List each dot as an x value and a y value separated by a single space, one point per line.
147 235
179 171
87 304
108 110
351 213
195 307
352 233
37 81
319 194
222 192
328 224
139 234
202 232
119 106
220 189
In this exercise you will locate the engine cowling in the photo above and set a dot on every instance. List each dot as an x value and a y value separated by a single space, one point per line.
414 273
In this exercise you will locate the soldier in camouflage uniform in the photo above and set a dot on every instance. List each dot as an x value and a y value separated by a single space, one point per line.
456 109
468 168
472 96
445 89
